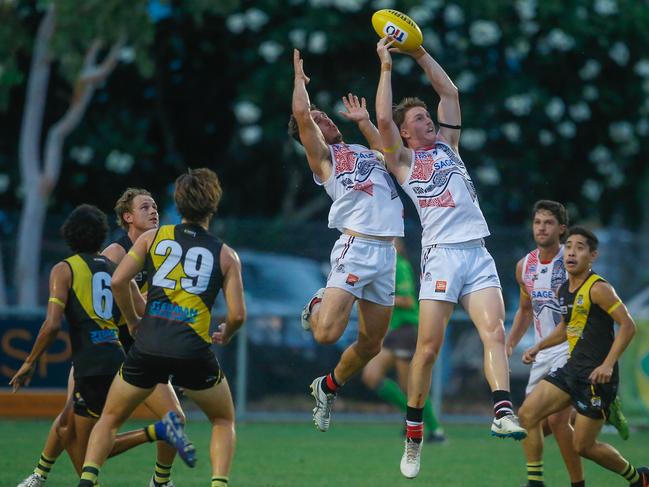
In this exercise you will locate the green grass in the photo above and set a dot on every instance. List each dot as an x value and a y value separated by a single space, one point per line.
296 455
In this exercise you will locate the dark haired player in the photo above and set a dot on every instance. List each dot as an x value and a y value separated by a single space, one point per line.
80 290
589 379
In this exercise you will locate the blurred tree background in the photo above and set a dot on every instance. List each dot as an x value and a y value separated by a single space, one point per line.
554 93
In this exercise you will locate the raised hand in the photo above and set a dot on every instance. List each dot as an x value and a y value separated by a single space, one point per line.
298 66
356 110
383 49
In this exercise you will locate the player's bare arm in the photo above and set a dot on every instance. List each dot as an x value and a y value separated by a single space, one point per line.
448 111
60 282
603 295
317 151
558 335
131 264
233 293
115 252
524 316
397 156
356 111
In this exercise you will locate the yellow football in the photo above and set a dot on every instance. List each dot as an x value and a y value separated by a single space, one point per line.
405 32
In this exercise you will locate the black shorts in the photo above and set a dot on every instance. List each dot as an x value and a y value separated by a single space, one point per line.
591 400
145 371
401 341
90 394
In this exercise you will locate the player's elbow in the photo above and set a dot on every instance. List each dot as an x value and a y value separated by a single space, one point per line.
237 317
383 121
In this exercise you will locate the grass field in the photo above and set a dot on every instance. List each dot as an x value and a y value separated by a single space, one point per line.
296 455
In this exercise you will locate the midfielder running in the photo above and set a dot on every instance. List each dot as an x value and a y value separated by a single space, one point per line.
589 380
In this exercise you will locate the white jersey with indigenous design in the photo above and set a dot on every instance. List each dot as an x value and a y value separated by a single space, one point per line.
445 198
364 196
542 281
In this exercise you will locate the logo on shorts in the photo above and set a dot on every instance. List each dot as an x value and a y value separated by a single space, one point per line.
352 279
596 401
440 286
428 277
582 406
340 268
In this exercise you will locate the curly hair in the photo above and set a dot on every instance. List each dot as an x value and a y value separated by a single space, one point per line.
85 229
197 194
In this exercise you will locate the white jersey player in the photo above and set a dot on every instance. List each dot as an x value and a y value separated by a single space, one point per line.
539 275
367 211
455 266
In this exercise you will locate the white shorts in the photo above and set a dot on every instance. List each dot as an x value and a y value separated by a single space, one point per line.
545 364
451 271
365 268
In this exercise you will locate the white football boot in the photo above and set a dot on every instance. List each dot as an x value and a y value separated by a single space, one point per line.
324 403
411 459
34 480
306 311
508 427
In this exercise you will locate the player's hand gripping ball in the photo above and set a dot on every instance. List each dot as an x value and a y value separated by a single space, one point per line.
405 32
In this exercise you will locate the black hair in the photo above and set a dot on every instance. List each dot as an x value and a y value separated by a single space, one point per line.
85 229
591 240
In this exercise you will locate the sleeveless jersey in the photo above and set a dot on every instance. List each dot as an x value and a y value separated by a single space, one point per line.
364 195
443 193
589 328
542 282
142 282
92 315
185 277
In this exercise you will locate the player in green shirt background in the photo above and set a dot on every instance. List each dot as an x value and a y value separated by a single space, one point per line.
399 347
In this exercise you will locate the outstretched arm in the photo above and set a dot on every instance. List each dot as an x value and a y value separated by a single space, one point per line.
60 282
317 151
448 110
397 157
356 111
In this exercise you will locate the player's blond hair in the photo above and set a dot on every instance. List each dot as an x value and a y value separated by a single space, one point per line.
125 204
399 111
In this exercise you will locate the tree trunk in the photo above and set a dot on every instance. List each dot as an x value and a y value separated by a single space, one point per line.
30 235
33 211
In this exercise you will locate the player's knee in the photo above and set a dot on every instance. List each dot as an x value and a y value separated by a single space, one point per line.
328 329
526 417
557 423
583 446
368 349
428 352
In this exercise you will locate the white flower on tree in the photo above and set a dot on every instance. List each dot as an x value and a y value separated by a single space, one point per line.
298 38
590 92
641 68
526 9
82 154
256 19
453 15
318 42
555 108
546 137
246 112
600 154
567 129
519 105
488 175
119 162
591 189
250 135
465 81
619 52
4 182
605 7
579 111
236 23
270 51
484 33
559 40
590 69
473 139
